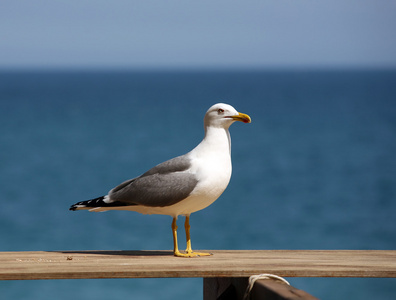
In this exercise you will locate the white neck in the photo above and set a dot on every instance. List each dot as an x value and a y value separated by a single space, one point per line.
216 139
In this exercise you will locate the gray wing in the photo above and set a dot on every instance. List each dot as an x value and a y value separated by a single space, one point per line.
163 185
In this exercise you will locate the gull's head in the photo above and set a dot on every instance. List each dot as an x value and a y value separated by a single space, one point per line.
223 115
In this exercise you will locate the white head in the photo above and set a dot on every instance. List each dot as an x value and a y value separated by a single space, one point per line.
222 115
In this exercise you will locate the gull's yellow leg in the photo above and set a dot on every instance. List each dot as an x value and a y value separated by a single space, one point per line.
189 250
188 238
176 251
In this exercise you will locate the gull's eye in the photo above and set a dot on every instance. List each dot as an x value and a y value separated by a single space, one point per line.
220 111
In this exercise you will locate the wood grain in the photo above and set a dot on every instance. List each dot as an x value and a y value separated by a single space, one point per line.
224 263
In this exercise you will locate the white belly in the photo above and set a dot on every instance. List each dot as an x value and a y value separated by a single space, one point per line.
205 193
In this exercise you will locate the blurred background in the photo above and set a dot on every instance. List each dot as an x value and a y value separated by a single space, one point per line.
93 93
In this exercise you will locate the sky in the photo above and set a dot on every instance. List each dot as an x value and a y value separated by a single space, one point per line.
197 34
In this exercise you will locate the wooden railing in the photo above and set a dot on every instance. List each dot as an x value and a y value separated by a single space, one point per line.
225 272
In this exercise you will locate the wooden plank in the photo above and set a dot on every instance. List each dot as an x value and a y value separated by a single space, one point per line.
226 263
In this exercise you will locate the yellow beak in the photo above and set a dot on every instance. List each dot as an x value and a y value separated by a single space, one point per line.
241 117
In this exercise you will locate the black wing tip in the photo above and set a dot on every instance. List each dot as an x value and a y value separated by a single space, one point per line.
78 205
97 202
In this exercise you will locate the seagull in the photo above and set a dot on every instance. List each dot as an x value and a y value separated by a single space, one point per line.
182 185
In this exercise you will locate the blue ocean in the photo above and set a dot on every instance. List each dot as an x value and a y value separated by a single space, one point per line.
316 169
